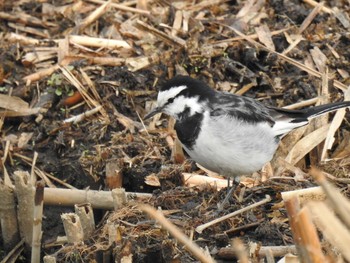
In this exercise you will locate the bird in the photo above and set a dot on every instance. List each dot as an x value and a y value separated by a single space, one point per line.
226 133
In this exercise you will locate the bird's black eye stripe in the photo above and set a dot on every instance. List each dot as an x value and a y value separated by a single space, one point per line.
170 100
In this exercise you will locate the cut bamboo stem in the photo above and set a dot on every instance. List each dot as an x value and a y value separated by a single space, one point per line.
97 199
72 227
86 215
37 222
119 198
8 215
25 195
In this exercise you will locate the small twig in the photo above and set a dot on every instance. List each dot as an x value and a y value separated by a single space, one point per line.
253 36
43 175
199 229
82 116
307 21
7 180
169 39
240 228
190 246
32 173
96 14
123 7
324 8
98 42
14 254
302 104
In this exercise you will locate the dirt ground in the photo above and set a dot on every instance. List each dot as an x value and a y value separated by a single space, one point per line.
291 47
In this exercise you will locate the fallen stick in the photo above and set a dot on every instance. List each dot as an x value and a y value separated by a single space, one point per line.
190 246
98 42
199 229
277 251
196 180
304 195
97 199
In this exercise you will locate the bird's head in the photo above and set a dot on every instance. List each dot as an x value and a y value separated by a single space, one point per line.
181 94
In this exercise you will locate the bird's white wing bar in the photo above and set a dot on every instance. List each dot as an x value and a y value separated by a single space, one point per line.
282 127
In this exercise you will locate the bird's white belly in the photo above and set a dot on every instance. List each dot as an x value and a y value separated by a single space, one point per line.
232 147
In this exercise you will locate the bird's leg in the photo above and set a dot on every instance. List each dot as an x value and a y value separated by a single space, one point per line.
230 189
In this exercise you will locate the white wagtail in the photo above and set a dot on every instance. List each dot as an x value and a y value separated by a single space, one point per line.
226 133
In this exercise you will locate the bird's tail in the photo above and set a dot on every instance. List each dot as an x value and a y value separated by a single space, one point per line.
292 119
313 112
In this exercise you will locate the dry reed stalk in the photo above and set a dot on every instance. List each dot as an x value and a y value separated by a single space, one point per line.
37 222
339 203
293 207
309 238
72 227
86 215
331 227
25 192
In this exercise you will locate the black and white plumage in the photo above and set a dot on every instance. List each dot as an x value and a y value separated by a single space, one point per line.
226 133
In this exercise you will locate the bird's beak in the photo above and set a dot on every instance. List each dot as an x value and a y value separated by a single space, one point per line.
152 113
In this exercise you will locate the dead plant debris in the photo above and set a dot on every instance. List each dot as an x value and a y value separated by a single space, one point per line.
76 78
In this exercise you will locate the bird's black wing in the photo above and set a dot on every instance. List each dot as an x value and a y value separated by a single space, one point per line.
242 108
